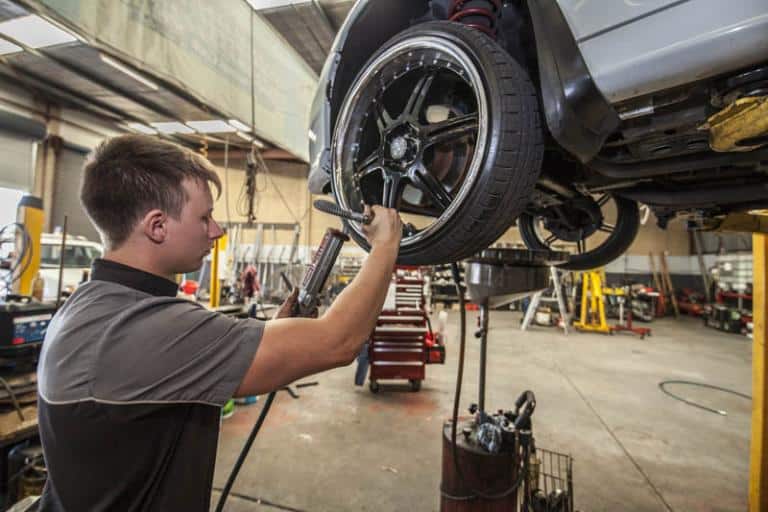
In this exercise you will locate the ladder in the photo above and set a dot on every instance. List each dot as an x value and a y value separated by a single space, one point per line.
536 299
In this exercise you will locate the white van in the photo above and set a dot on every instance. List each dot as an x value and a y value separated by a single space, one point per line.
78 257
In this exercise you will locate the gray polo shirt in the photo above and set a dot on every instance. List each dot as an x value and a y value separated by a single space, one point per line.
131 380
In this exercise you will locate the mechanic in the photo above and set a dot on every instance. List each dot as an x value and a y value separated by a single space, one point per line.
131 378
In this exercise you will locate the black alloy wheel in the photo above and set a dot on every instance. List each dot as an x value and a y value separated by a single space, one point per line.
596 230
443 125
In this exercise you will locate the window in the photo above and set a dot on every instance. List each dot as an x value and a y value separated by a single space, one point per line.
75 256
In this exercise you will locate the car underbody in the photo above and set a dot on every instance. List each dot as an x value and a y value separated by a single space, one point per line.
697 149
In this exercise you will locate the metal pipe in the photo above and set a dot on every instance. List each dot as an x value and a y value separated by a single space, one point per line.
61 262
483 353
700 197
674 165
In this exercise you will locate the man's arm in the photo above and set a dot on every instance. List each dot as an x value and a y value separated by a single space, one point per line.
292 348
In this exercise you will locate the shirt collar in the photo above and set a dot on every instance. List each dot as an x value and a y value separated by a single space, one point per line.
112 271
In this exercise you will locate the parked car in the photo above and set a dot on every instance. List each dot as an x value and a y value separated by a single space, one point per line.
79 254
564 115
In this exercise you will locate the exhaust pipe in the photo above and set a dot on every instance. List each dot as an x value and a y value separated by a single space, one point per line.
698 198
675 165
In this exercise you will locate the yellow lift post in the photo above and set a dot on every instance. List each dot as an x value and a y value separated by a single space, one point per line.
592 316
758 466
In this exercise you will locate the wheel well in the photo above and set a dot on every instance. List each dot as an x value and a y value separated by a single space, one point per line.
382 20
534 32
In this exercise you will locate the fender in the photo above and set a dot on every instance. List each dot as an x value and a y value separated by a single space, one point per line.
578 115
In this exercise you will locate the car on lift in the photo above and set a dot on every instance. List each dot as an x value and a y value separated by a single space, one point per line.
562 115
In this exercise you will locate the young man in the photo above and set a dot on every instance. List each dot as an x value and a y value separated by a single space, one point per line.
131 379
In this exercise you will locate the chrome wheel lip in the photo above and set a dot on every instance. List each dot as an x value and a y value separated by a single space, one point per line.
474 79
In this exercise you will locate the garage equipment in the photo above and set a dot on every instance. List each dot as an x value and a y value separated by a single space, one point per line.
30 215
558 297
484 469
626 298
592 316
400 346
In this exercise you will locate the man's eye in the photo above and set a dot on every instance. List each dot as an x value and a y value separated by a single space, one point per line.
204 219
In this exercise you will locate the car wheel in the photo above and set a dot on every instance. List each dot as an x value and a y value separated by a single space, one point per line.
598 229
443 125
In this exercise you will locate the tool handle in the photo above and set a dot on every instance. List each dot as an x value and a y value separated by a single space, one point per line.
334 209
524 407
318 271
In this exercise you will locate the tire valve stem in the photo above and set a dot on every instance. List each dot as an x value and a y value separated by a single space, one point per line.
482 15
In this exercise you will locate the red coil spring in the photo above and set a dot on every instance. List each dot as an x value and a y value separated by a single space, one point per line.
481 18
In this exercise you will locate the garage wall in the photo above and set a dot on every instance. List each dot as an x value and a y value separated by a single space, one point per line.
66 197
16 169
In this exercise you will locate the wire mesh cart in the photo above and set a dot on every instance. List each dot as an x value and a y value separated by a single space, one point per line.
549 487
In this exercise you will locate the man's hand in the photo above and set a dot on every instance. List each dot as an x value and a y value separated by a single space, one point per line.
386 229
286 309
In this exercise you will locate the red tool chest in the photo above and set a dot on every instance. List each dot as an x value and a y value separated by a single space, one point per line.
403 342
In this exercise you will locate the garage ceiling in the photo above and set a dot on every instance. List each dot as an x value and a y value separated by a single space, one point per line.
309 26
77 75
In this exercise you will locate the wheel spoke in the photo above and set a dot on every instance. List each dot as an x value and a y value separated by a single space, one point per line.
409 229
416 100
603 199
383 119
369 166
451 129
581 246
607 228
427 183
392 188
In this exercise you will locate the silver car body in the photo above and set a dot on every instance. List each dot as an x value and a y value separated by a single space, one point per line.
631 48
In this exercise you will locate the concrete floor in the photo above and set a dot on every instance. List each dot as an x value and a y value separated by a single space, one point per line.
340 448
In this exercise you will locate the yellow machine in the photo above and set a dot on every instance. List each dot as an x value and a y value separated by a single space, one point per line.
219 245
30 215
592 316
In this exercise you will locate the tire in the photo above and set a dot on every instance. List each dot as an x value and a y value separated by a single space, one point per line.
415 385
627 226
373 386
507 164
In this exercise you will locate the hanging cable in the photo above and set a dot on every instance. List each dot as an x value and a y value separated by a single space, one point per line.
244 452
226 179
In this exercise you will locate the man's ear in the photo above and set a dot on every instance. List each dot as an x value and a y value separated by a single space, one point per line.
155 225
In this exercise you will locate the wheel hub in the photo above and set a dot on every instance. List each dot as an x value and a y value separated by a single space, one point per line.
575 221
401 146
398 147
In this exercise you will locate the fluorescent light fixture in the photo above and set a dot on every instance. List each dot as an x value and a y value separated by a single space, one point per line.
35 32
142 128
240 125
128 71
244 136
212 126
268 4
171 127
258 143
7 47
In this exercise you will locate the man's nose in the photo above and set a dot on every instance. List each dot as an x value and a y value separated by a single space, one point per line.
216 231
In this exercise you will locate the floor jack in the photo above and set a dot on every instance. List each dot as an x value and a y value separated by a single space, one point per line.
626 297
493 464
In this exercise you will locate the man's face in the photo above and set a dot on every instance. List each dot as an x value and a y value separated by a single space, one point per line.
191 237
